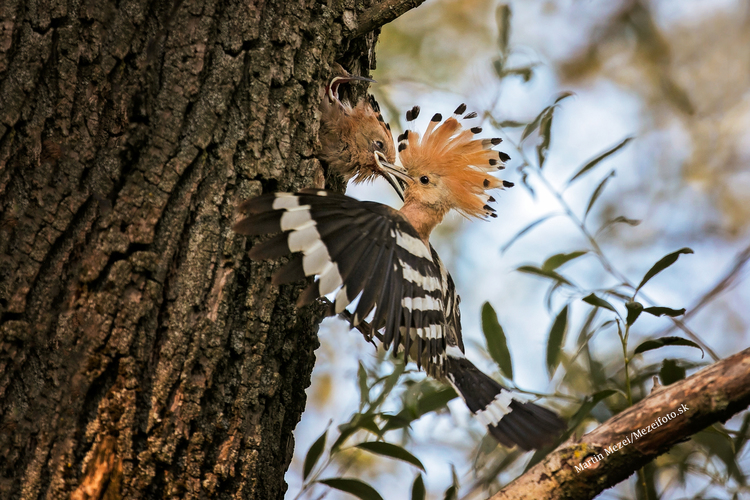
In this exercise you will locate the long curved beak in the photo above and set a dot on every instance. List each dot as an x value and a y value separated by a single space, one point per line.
392 173
333 87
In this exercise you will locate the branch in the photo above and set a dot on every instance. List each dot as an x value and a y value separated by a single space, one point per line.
382 13
711 395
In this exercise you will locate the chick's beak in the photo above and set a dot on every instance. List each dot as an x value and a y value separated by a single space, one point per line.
333 87
393 173
389 168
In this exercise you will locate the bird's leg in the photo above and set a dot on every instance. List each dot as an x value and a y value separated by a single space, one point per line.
364 327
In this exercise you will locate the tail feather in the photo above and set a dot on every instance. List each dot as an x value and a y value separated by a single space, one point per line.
510 419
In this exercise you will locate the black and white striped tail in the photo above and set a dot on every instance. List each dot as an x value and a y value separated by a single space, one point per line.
509 418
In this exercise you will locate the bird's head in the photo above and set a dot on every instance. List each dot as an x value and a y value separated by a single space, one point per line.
450 169
362 129
372 138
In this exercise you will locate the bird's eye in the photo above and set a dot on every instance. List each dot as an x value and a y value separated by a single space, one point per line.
424 179
379 144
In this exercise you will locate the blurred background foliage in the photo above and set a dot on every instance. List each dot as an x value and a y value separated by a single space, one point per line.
674 76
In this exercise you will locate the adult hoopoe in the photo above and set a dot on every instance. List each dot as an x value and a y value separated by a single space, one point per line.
383 256
351 135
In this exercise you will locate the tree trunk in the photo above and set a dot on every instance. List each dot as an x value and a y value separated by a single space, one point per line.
141 354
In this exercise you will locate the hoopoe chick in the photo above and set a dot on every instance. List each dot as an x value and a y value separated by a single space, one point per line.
383 257
350 136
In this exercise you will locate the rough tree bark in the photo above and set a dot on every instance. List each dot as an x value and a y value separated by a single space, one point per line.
712 395
141 354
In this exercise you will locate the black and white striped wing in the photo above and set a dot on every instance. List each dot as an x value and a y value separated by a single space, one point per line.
509 417
452 302
356 247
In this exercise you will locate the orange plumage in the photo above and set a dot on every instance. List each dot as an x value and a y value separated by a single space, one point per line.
351 135
450 170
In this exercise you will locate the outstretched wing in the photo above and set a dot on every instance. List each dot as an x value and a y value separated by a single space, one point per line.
362 249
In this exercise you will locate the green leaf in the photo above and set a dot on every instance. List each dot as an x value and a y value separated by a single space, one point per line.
345 430
556 340
619 220
399 421
599 302
650 345
499 64
417 489
595 161
559 259
597 193
717 442
564 95
391 451
585 332
510 124
550 294
364 391
526 230
663 263
353 487
368 423
435 400
634 310
531 127
588 405
496 342
545 133
671 372
660 311
388 385
452 492
525 72
502 16
420 398
541 272
358 421
313 454
742 435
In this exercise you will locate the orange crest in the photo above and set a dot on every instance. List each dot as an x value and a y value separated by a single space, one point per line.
463 163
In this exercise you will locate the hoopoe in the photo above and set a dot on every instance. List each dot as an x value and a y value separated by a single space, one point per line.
351 135
383 256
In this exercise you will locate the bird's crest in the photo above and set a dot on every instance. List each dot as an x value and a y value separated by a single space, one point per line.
464 163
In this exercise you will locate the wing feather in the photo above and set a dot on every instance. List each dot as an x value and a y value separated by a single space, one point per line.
365 250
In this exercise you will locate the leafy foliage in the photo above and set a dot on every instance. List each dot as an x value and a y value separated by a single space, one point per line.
392 451
353 486
590 382
497 345
556 339
665 341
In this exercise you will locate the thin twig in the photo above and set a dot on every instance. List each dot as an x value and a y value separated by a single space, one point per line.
724 284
